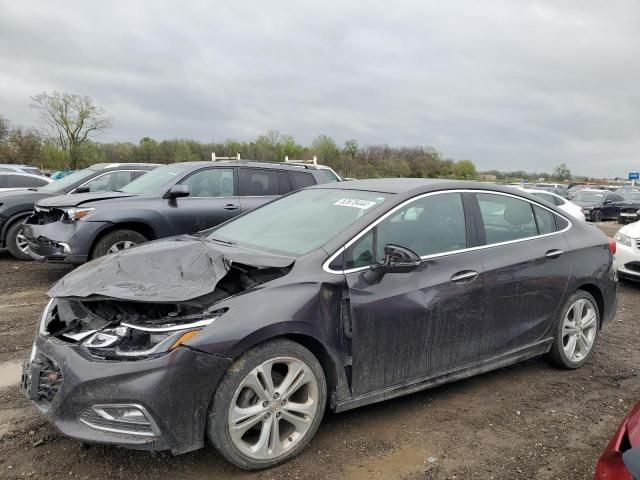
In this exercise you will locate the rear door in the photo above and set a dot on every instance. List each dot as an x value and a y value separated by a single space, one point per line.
212 200
258 186
526 270
415 324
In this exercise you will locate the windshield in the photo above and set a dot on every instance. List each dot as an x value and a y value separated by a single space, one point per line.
154 180
584 196
66 183
300 222
330 175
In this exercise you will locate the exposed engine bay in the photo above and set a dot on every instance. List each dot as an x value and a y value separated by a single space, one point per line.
128 330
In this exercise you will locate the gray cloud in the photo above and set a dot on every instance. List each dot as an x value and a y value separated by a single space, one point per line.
510 85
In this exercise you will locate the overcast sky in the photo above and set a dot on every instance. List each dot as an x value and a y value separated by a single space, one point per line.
507 84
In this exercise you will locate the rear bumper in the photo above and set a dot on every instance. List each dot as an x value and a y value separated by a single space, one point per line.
174 392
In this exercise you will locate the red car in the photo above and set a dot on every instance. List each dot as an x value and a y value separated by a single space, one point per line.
621 459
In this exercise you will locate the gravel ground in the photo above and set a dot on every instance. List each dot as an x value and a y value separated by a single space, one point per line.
528 421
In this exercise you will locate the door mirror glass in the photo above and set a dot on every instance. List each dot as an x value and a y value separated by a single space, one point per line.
396 259
631 459
178 191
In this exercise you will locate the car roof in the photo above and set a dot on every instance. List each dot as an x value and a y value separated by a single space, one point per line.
412 186
104 166
255 163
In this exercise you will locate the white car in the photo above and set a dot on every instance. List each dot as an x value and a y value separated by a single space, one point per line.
628 251
562 203
20 181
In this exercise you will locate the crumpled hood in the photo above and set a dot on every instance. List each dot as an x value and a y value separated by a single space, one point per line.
76 199
176 269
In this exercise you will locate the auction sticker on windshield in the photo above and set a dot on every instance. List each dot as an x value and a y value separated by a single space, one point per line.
355 203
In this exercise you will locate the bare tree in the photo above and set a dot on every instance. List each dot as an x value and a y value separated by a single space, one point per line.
72 119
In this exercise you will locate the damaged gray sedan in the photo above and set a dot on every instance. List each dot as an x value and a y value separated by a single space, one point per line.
336 296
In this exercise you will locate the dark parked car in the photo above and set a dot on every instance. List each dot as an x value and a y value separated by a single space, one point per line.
16 206
628 208
174 199
598 205
343 294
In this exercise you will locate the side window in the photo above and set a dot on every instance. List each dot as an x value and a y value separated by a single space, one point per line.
283 183
117 180
301 180
213 182
545 220
431 225
22 181
99 184
258 182
507 218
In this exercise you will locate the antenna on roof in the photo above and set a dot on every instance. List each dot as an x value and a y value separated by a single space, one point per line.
214 158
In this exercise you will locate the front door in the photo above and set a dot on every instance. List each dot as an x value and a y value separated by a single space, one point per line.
211 201
416 324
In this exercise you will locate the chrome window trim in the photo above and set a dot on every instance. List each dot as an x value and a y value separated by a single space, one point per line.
102 175
325 265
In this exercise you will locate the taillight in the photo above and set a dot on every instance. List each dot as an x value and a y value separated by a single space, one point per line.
612 245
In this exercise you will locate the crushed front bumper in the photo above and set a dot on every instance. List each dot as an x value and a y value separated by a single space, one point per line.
173 391
66 242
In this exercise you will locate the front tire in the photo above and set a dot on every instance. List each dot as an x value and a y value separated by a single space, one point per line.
596 216
16 242
576 331
268 406
116 241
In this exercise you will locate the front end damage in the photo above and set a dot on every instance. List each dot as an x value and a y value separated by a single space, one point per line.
117 368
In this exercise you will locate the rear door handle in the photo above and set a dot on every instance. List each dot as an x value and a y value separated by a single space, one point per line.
464 276
554 253
231 206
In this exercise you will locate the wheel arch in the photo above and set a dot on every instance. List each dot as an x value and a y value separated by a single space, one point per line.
9 223
598 296
141 227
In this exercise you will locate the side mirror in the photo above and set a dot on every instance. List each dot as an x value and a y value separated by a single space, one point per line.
397 259
178 191
82 189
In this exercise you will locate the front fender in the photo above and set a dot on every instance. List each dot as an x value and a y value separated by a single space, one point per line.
152 219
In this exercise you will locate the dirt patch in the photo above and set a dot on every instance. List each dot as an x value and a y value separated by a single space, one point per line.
528 421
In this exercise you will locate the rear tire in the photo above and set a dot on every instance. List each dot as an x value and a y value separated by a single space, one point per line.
15 242
116 241
621 221
576 332
278 388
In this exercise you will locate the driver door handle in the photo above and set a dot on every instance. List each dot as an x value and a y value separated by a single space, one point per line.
465 276
554 253
231 206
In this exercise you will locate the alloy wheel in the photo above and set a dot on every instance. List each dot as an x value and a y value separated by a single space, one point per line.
116 247
579 330
273 408
21 243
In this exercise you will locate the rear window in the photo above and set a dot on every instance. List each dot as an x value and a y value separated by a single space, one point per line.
23 181
258 182
301 180
507 218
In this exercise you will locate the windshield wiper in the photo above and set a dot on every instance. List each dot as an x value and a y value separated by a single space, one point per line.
226 242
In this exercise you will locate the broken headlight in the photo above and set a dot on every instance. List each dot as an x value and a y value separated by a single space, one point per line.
130 341
74 214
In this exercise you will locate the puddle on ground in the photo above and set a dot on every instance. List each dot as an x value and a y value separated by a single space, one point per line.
10 373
